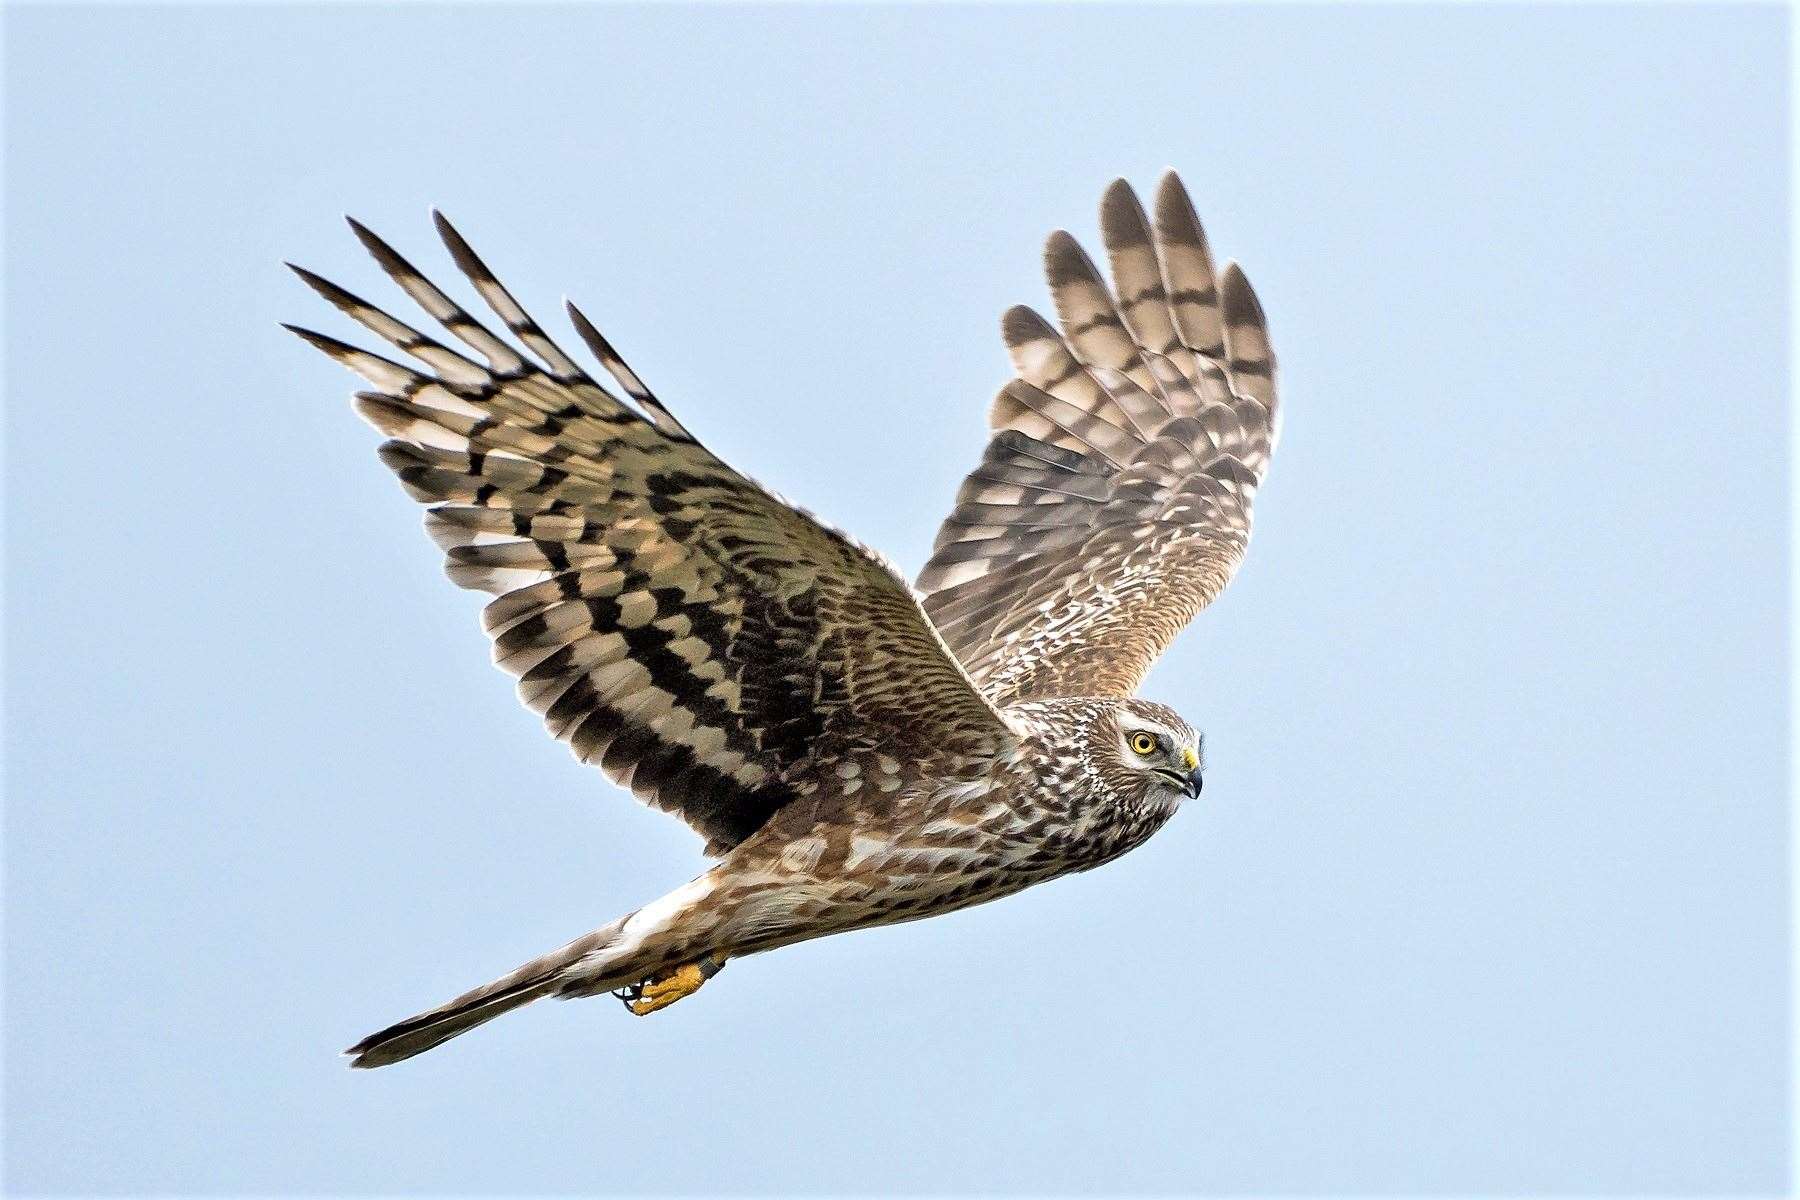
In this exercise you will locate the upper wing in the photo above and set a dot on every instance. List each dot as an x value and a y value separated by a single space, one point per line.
1113 502
690 633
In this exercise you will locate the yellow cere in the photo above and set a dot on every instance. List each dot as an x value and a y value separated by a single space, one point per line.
1189 758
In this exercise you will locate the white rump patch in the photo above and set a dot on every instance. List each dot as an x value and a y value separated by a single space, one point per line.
655 917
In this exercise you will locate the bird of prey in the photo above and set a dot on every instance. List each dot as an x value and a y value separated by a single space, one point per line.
854 750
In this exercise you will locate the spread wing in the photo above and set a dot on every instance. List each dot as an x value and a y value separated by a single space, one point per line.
1113 502
703 642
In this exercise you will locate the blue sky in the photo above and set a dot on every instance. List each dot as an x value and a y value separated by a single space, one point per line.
1488 889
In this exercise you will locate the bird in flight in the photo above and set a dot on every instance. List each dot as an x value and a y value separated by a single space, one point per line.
855 751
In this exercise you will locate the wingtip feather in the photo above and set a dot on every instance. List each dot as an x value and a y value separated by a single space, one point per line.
315 339
459 248
323 286
1022 323
385 255
1238 298
1065 262
1122 221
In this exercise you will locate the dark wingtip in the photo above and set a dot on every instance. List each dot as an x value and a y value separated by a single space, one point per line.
596 341
315 282
384 254
363 1056
592 336
459 248
319 283
1238 298
1122 221
1060 242
1021 323
313 337
1175 216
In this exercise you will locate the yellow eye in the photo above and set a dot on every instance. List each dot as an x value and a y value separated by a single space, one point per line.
1143 743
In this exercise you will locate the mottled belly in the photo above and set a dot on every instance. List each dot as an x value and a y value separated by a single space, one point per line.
904 887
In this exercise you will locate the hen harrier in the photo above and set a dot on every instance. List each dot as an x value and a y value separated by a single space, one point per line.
854 751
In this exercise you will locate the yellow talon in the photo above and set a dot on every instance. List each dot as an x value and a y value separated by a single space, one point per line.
658 993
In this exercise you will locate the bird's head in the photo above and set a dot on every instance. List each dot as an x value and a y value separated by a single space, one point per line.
1151 752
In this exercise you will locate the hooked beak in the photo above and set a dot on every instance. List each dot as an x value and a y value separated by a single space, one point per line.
1188 785
1190 758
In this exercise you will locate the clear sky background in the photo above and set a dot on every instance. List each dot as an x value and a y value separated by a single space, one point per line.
1487 891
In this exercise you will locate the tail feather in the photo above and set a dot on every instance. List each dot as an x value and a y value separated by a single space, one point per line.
538 978
415 1035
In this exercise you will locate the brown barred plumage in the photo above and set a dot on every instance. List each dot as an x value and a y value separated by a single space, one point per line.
1114 500
677 625
855 756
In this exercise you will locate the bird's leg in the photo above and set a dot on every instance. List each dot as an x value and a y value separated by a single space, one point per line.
660 991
